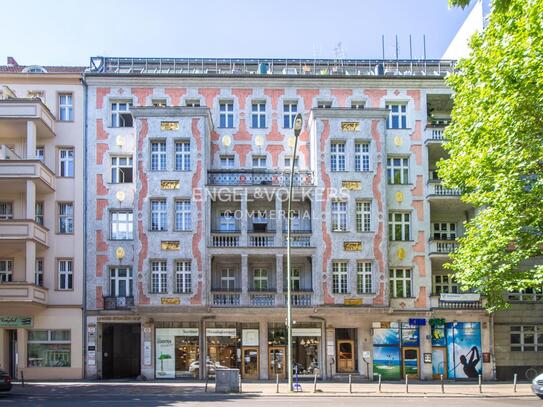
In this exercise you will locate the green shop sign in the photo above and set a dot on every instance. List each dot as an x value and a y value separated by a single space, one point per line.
8 321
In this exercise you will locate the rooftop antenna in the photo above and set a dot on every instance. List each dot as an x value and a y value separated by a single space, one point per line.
424 50
397 54
410 55
340 54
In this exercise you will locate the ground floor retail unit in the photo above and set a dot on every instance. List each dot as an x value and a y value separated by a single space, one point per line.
327 344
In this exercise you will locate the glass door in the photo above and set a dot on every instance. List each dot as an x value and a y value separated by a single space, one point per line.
345 356
277 362
250 363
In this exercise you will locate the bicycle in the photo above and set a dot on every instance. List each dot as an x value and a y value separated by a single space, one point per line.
532 372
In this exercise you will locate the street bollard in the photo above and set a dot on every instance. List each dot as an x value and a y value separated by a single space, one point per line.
480 384
22 378
315 383
277 383
207 379
379 383
407 383
442 384
515 383
350 384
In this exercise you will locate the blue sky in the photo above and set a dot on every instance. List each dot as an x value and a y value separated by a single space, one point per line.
67 32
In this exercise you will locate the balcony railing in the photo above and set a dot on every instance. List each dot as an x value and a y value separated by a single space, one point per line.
225 239
443 246
114 303
22 293
253 178
435 133
21 230
298 240
436 188
262 299
261 240
226 299
300 299
457 301
21 169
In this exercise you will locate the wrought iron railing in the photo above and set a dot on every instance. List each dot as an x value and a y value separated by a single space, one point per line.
267 178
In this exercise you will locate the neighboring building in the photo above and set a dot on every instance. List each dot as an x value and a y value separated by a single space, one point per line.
186 183
41 221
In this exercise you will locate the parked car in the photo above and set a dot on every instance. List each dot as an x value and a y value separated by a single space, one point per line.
5 381
194 368
537 386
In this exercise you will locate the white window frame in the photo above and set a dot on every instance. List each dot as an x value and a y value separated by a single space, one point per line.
296 278
159 276
340 283
339 216
259 161
6 270
358 104
119 108
290 110
40 153
65 268
364 277
227 161
228 277
158 155
38 272
397 115
404 277
398 170
444 231
66 162
183 276
527 295
115 279
6 210
119 166
159 102
445 284
226 114
324 104
65 218
258 115
192 102
183 215
159 215
523 331
66 107
363 216
404 223
288 162
361 156
337 156
260 279
121 227
182 155
39 213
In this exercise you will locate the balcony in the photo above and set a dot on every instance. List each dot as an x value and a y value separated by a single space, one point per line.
300 299
261 239
298 239
225 239
262 299
118 303
462 301
436 189
23 293
225 299
16 112
13 169
22 230
435 134
258 178
442 247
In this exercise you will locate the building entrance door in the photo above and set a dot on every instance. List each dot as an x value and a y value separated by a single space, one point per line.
277 360
121 350
345 356
410 362
250 363
439 362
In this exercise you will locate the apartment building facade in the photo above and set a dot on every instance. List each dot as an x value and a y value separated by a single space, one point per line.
41 221
186 246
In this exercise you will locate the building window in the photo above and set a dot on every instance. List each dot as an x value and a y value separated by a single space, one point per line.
227 161
397 116
337 156
227 221
183 215
397 170
183 277
364 283
120 114
158 215
528 294
361 157
39 213
339 277
182 156
363 216
65 107
258 115
444 283
66 162
358 104
324 104
444 231
289 113
65 217
159 276
6 270
399 224
259 161
38 273
260 279
120 282
51 348
159 102
40 153
295 278
6 210
192 102
158 156
339 216
121 169
400 283
527 338
122 225
288 162
226 115
65 275
228 279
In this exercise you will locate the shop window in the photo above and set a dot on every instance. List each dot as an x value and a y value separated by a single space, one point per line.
177 351
49 348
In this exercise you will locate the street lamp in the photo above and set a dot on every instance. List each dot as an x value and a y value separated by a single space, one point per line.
298 123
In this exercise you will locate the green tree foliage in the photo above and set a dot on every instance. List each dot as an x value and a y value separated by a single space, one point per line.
495 142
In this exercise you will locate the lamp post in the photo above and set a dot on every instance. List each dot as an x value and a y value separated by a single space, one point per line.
298 123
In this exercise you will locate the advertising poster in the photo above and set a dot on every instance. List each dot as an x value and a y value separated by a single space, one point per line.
386 362
386 336
464 349
165 352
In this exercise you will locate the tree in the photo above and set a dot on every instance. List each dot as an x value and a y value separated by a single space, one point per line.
495 146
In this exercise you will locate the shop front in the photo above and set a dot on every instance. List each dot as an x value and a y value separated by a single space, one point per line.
177 352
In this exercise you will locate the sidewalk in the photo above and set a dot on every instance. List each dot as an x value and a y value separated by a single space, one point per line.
324 389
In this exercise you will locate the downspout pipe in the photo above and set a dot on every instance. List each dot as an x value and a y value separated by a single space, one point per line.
85 164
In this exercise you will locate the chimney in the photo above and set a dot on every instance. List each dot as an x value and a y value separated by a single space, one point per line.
12 62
